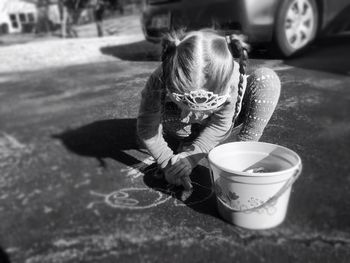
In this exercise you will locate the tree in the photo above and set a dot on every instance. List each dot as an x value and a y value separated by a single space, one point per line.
70 12
99 9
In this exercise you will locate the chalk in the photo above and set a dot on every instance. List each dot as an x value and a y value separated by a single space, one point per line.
186 183
185 195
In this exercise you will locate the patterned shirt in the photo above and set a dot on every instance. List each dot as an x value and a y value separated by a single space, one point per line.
158 115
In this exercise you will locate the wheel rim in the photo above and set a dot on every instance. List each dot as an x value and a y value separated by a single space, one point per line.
299 23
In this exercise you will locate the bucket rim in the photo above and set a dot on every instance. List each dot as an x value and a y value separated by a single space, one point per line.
298 165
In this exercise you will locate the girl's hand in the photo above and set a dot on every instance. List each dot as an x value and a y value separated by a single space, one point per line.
178 172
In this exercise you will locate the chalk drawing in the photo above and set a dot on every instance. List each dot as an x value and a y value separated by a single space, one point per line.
86 182
47 209
137 170
10 149
132 198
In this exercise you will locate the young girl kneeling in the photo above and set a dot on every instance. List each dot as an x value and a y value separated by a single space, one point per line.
200 96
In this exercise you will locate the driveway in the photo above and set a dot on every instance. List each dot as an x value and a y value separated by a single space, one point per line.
76 187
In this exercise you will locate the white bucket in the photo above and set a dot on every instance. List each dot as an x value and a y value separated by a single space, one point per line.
253 181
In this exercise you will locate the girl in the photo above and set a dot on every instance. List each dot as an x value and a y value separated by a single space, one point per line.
200 96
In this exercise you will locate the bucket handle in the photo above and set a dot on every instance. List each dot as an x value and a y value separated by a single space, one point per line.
272 199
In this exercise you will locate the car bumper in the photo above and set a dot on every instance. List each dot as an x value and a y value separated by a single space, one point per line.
250 17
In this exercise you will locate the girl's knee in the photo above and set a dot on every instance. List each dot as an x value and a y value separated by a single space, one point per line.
265 73
265 78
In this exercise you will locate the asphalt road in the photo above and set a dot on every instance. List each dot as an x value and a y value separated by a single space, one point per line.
75 186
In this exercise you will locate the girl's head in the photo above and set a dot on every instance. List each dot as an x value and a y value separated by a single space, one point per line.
198 68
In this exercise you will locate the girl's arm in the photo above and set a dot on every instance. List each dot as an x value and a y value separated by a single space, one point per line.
149 126
217 129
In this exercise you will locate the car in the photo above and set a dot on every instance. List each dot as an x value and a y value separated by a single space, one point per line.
290 25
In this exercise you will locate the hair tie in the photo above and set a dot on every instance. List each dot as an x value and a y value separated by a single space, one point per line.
237 44
241 39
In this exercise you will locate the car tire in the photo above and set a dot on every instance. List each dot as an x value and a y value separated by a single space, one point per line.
296 25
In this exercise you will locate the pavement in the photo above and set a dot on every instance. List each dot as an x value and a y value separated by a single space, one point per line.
76 187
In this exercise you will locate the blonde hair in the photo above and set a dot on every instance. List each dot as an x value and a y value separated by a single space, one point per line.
202 59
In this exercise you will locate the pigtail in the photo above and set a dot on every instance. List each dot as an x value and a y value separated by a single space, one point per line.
168 48
239 49
169 43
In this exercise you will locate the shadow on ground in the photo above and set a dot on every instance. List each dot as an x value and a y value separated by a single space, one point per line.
138 51
146 51
103 139
329 55
4 258
111 138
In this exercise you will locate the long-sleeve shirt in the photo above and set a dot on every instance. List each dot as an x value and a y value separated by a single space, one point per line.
156 118
151 122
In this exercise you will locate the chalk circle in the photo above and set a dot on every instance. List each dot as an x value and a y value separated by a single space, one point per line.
135 198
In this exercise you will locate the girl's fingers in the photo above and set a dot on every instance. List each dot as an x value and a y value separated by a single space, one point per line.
175 175
185 178
179 162
178 173
186 182
174 159
178 177
173 170
170 179
178 181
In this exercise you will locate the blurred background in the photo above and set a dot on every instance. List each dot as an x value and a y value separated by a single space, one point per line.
60 18
283 28
312 34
